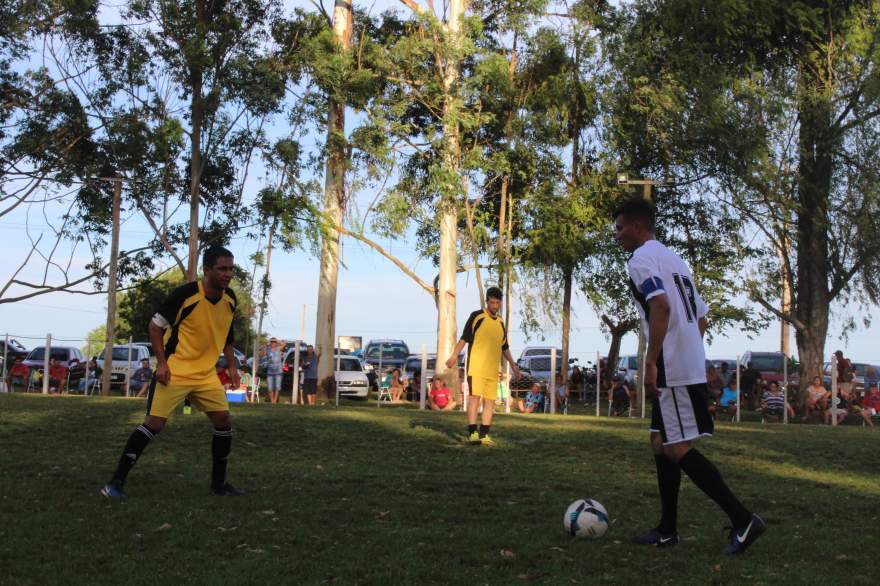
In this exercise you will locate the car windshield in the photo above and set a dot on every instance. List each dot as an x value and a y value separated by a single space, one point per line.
393 351
40 354
767 363
349 365
632 364
120 354
416 364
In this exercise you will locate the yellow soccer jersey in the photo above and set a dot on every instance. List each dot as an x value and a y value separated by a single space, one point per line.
487 339
199 329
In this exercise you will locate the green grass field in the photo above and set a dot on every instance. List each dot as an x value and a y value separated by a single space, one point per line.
358 495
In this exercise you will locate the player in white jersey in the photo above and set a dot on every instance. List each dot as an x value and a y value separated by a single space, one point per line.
674 318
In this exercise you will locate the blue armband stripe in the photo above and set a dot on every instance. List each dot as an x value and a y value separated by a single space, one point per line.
650 285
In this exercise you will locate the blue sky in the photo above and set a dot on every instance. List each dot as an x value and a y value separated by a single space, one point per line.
375 300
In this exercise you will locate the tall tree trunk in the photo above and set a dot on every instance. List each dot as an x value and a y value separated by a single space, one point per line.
566 321
197 114
446 289
334 209
111 291
263 296
815 146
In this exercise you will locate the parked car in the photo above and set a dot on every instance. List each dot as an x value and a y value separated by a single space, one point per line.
69 357
538 368
149 348
394 353
13 350
771 365
860 371
351 378
126 360
628 368
530 351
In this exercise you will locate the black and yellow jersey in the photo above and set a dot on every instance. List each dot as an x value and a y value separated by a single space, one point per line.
197 330
487 339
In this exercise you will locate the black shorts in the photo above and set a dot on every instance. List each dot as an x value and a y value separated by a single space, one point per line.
310 386
680 414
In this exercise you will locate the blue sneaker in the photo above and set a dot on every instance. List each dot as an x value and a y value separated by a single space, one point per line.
113 491
742 539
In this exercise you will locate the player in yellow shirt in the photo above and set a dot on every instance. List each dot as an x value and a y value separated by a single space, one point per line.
486 337
190 329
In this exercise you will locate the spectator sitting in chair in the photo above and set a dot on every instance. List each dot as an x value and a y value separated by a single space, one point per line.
141 378
727 402
871 405
440 397
57 377
773 402
620 396
817 399
397 386
17 375
562 392
503 394
533 402
95 373
844 402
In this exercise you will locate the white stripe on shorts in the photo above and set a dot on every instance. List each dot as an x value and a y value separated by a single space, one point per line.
678 416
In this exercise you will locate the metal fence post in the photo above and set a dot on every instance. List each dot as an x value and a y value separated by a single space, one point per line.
598 381
424 378
738 389
5 360
834 390
294 392
553 381
784 388
46 364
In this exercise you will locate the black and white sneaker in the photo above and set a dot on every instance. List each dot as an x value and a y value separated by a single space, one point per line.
657 539
741 540
227 490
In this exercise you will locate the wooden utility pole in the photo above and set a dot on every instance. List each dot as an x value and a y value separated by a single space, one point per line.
111 290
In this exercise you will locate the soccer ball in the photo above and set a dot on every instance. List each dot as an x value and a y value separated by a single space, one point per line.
586 518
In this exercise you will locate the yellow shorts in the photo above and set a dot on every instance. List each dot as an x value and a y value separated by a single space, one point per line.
162 399
486 388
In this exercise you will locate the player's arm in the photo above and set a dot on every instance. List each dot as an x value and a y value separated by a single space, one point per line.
455 352
658 324
513 364
157 332
702 323
230 363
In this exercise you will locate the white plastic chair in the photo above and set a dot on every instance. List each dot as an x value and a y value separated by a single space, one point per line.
384 392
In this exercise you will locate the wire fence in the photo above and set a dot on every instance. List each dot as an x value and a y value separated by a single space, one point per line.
74 365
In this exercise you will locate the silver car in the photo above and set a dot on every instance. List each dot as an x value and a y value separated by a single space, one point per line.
351 377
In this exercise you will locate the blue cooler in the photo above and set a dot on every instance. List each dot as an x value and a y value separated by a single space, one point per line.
236 396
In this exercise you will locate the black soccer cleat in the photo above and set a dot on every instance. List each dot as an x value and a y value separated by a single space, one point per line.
742 539
113 491
227 490
657 539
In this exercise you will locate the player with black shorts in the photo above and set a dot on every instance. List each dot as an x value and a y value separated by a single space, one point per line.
188 332
674 318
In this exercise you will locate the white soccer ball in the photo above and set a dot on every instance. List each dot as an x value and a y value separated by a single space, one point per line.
586 518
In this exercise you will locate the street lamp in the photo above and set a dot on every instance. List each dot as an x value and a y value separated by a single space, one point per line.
624 179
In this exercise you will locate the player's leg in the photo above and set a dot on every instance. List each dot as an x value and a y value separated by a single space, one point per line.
668 483
487 393
473 412
161 402
693 421
221 446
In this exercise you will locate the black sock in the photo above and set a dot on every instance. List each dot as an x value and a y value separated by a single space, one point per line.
134 447
668 481
220 448
484 430
472 428
706 476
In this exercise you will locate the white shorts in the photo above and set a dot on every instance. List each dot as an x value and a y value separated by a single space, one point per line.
680 414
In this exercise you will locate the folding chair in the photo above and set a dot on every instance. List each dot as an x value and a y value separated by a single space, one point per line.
384 392
92 386
35 381
254 390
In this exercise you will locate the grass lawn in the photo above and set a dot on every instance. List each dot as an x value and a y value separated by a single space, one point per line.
358 495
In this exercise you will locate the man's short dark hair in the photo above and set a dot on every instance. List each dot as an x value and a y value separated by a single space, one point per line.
494 293
639 209
212 254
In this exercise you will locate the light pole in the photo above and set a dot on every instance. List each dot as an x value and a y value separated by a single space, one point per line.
624 179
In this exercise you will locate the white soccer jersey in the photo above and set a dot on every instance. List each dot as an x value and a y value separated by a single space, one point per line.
656 270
